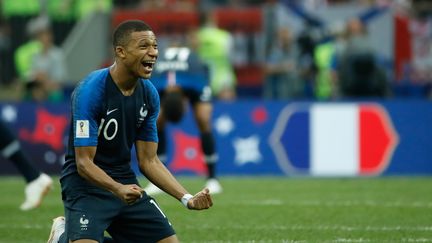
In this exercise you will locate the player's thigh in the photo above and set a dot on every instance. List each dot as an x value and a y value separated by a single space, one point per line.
88 214
143 221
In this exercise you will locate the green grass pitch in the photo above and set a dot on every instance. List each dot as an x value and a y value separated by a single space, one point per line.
266 209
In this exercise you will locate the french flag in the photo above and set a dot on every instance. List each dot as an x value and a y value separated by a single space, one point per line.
344 139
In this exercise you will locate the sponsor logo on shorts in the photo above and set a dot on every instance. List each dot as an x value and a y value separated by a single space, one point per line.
84 222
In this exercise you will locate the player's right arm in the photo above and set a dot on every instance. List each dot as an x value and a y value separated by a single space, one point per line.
95 175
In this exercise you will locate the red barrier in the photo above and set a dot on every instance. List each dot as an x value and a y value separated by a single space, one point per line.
162 22
247 20
249 75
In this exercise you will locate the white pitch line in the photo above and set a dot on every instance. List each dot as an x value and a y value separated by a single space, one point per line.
351 203
273 227
289 228
252 241
349 240
24 226
364 240
417 240
320 228
368 203
338 240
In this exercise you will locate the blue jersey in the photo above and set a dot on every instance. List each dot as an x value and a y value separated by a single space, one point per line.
102 116
180 66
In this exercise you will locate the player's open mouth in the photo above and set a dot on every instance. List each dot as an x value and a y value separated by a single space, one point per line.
148 65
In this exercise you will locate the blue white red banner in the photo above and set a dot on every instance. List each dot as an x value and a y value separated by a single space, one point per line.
265 138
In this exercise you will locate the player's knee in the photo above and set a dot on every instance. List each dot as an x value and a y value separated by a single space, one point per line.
83 241
204 127
170 239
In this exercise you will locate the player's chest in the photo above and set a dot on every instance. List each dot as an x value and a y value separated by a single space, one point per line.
122 114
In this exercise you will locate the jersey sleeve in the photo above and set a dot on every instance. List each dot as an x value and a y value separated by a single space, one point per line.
86 106
148 131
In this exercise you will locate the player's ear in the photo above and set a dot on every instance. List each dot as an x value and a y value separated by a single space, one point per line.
120 51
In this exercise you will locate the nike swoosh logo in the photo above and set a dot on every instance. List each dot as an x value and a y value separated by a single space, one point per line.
111 111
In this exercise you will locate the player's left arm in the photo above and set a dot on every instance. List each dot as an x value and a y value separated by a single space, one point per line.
153 168
158 174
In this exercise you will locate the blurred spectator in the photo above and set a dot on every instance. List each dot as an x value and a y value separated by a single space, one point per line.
41 63
126 3
307 68
184 5
282 79
330 43
23 58
215 49
176 5
16 14
6 62
417 68
84 8
358 73
324 87
152 5
61 13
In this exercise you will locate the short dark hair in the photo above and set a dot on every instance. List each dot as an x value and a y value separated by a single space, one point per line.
122 32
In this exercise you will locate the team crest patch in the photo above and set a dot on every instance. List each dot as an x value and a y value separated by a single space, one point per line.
142 115
82 129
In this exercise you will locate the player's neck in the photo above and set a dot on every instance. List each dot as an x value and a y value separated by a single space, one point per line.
123 80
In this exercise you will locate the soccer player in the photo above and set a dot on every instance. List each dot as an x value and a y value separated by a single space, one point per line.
113 109
38 184
181 76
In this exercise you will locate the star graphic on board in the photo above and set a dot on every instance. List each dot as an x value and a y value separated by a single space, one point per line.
49 130
9 113
188 155
247 150
224 125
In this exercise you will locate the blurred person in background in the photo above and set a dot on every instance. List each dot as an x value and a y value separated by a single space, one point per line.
180 77
418 68
325 82
281 70
215 49
176 5
358 72
63 19
38 183
46 70
100 191
16 14
307 68
152 4
84 8
122 4
6 62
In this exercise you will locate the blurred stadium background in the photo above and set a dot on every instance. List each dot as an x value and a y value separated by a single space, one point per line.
327 133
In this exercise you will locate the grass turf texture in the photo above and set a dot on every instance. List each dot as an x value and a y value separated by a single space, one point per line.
266 209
